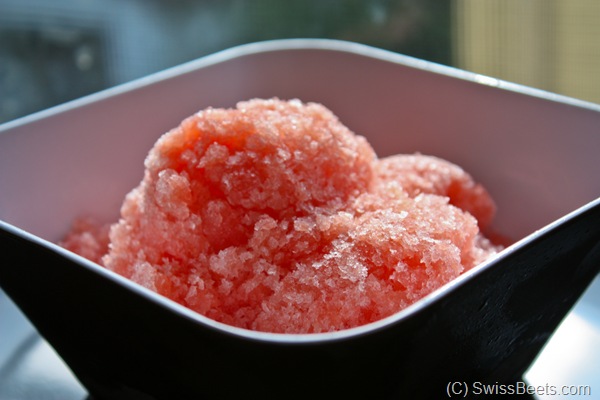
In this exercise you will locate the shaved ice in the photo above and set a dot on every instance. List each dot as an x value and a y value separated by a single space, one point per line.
274 216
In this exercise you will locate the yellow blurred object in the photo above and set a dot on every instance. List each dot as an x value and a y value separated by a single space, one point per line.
547 44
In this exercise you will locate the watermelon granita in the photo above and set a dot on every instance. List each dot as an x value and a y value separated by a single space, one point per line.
274 216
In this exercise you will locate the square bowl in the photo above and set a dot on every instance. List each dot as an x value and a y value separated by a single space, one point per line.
535 152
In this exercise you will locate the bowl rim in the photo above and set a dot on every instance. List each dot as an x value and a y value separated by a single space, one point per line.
329 45
300 44
300 338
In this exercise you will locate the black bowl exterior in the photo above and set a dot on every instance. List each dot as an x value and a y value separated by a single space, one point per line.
488 328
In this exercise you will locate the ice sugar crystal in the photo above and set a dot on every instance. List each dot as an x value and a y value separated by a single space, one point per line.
274 216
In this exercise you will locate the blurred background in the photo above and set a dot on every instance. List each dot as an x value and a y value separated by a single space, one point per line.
59 50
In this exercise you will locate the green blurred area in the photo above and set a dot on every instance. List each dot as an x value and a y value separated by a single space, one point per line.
65 49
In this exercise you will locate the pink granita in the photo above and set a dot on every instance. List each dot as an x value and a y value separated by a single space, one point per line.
274 216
